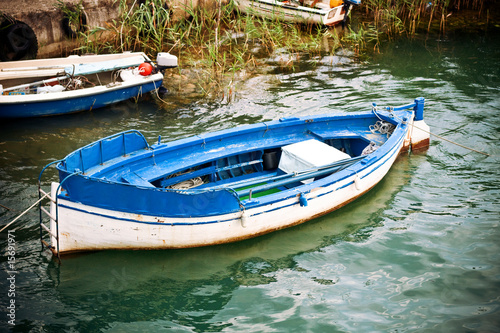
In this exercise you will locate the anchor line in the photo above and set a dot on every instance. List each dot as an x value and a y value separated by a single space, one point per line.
436 135
450 141
14 220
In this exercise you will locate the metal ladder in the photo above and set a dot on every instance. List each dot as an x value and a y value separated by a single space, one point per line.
52 219
51 213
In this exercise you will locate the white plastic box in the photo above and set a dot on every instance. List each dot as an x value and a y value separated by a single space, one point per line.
166 60
308 154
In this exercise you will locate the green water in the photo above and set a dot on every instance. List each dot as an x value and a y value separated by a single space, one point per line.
418 253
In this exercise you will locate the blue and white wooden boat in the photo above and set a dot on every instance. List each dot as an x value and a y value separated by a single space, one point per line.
325 12
122 193
45 87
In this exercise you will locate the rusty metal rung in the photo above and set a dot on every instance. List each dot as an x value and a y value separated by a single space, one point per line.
51 248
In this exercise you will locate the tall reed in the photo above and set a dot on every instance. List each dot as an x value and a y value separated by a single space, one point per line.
394 17
218 41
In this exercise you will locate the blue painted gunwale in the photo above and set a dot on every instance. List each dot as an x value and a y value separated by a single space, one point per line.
99 183
84 102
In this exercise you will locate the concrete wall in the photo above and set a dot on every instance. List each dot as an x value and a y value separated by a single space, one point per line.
45 18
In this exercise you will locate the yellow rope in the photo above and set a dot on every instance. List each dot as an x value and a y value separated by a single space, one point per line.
436 135
14 220
447 140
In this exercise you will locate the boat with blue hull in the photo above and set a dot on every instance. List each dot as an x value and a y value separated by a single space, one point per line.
122 193
46 87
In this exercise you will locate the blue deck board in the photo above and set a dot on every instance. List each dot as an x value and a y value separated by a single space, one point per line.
171 163
348 134
134 179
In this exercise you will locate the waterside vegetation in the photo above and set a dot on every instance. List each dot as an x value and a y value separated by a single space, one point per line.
219 42
216 43
387 19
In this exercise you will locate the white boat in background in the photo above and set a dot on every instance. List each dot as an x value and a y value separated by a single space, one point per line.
45 87
326 12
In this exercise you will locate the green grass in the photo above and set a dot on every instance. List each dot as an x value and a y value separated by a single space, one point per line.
205 40
390 19
408 16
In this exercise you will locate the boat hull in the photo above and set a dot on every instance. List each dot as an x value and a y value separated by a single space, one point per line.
86 228
23 106
298 14
28 69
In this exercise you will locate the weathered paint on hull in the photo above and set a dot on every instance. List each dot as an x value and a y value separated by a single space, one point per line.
420 136
86 228
300 14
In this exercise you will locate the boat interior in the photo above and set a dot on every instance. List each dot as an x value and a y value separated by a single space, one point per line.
243 162
49 84
52 77
259 172
323 4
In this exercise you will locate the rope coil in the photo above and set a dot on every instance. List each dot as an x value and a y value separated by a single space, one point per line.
382 127
187 184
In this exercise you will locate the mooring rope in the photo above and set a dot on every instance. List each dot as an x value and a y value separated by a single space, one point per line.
374 110
6 207
157 93
450 141
33 205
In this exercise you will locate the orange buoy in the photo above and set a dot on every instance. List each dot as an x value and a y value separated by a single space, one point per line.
335 3
145 69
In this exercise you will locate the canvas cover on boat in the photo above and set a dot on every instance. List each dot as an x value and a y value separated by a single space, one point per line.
103 66
308 154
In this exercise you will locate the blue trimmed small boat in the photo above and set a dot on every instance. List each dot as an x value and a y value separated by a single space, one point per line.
45 87
325 12
122 193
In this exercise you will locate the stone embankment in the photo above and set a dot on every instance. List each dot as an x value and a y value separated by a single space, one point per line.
44 29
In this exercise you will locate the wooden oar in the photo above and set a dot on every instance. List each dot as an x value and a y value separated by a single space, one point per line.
34 68
27 85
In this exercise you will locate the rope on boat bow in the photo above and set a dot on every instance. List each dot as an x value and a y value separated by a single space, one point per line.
382 127
391 109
